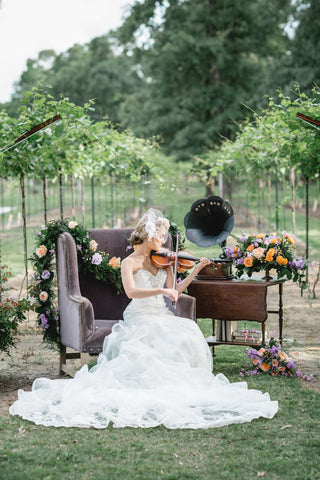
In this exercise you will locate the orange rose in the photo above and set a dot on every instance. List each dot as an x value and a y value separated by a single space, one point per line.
115 262
290 239
260 235
269 257
41 251
250 248
255 361
274 240
248 262
265 367
283 356
261 352
275 362
281 260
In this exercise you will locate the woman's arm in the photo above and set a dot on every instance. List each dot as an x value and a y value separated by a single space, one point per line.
181 286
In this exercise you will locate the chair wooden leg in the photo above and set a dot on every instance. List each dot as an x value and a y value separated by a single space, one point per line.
64 368
63 359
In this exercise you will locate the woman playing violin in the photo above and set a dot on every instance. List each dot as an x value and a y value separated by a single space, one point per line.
149 237
155 368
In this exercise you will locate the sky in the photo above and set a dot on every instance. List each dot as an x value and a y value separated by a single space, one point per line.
29 26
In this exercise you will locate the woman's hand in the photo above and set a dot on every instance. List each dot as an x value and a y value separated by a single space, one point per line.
171 293
202 263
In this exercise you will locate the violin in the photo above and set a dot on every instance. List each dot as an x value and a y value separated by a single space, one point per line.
165 258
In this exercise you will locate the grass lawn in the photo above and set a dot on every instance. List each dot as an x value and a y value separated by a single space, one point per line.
286 447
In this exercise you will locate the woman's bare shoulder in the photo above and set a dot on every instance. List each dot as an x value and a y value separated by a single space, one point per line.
130 261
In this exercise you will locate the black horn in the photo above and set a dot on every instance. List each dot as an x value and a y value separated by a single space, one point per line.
209 221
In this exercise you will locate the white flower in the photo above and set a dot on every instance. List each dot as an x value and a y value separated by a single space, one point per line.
43 296
93 245
96 259
72 224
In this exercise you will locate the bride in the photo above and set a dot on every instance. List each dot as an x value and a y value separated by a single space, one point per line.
155 368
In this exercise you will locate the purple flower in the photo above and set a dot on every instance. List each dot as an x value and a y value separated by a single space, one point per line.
52 250
240 261
96 259
275 350
291 364
229 251
44 321
45 274
79 247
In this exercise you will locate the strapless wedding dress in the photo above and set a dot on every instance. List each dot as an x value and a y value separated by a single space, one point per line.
155 369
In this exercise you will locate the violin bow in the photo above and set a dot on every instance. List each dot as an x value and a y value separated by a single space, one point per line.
32 131
311 121
175 270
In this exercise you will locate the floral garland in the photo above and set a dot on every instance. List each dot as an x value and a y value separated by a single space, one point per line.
89 259
271 360
255 253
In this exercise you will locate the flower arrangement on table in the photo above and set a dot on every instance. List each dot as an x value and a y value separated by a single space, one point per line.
263 252
90 260
271 360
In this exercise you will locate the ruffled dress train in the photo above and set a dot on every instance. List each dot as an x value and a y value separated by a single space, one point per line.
155 369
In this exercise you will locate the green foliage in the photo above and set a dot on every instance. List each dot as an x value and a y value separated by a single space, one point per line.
201 61
11 313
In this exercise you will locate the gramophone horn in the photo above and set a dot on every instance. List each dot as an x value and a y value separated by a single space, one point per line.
209 221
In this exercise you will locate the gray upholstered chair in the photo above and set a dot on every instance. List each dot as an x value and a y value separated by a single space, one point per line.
89 308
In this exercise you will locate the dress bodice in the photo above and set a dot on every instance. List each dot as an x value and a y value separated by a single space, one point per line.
145 279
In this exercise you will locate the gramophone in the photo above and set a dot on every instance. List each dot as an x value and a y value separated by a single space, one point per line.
209 222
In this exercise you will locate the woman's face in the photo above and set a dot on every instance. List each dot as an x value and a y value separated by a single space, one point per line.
159 240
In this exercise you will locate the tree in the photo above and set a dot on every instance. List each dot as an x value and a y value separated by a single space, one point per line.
201 60
304 63
97 70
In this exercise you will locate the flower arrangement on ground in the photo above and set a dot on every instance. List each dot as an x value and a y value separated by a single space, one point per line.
12 312
263 252
90 260
271 360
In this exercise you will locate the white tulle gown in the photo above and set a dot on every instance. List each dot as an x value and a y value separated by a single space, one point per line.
155 369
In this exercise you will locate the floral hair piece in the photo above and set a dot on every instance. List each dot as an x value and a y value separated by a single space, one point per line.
152 222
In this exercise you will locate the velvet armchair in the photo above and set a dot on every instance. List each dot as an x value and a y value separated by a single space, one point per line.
89 308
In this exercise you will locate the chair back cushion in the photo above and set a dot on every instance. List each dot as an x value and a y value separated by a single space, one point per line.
107 303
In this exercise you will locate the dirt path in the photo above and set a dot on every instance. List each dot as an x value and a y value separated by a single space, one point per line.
32 358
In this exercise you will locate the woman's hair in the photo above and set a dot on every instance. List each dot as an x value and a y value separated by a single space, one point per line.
149 226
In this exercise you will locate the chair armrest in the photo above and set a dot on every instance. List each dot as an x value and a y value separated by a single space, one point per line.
185 306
